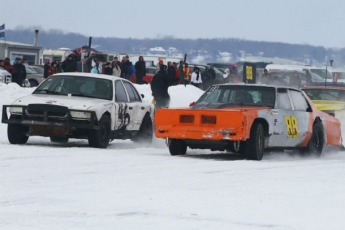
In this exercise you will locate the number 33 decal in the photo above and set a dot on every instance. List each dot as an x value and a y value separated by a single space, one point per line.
291 126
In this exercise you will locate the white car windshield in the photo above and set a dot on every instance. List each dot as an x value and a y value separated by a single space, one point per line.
77 86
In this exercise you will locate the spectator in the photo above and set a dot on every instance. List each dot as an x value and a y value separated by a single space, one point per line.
95 67
196 78
47 67
116 68
8 66
186 73
233 68
116 59
2 65
126 68
55 68
159 87
171 73
108 70
140 70
69 65
88 63
265 77
19 72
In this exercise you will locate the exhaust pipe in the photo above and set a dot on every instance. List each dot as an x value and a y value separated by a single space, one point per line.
36 37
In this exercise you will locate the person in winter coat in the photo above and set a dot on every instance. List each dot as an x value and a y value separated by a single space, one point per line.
2 65
8 66
126 68
116 69
19 72
140 70
196 78
108 69
88 63
171 73
95 68
159 88
47 67
69 65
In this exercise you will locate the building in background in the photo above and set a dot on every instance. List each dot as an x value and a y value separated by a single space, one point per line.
28 52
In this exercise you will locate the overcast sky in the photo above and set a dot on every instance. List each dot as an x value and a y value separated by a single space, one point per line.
312 22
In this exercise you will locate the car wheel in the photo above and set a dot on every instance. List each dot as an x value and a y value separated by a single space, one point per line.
61 140
100 138
255 145
17 134
145 133
316 142
177 147
33 83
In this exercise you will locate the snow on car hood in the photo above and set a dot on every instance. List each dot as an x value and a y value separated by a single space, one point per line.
71 102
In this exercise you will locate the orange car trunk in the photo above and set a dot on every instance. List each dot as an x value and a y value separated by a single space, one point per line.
201 124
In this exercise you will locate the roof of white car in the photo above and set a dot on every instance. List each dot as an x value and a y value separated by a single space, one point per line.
91 75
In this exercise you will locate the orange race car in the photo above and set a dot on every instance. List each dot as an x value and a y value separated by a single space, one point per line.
248 119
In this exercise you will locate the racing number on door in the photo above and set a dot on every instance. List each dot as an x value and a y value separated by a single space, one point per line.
249 72
291 126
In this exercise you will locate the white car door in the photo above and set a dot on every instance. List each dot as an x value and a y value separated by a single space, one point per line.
282 121
136 105
124 112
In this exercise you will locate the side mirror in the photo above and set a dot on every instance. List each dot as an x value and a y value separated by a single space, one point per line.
142 95
309 110
192 104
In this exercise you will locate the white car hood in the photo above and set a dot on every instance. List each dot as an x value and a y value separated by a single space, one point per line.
71 102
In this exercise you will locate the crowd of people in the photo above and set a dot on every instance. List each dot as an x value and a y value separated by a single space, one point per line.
16 69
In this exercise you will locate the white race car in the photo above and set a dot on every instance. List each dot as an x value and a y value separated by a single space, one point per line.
96 107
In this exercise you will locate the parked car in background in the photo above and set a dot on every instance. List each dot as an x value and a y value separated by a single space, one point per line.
33 77
37 69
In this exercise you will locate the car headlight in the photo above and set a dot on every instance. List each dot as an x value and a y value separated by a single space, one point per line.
81 115
16 110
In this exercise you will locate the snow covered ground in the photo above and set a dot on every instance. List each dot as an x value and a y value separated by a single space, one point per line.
128 186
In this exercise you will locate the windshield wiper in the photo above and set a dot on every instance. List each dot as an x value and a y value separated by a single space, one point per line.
47 91
82 95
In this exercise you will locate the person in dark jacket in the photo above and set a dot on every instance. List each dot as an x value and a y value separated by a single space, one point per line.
108 69
69 65
8 66
19 72
47 67
140 70
126 68
159 87
171 73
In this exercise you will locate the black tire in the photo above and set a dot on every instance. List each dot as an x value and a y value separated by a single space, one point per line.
100 138
17 134
316 142
177 147
33 83
61 140
255 145
145 133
